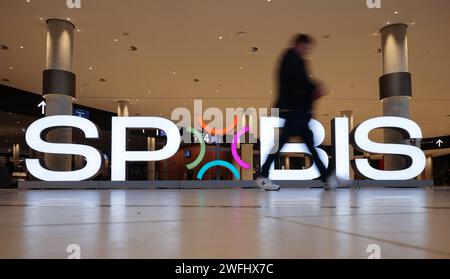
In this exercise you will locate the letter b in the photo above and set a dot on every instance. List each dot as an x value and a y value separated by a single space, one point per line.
267 138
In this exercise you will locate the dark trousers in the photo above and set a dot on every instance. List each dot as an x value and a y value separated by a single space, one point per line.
297 125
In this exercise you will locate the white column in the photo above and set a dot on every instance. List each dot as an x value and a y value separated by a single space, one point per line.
429 168
59 86
287 163
349 115
247 152
16 152
151 166
122 108
247 156
395 85
308 161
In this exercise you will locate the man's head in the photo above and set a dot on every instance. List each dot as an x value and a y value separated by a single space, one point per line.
303 44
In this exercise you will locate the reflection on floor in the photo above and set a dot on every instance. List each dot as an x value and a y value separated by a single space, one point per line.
309 223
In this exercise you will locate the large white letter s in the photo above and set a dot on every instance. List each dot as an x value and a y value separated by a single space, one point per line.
34 140
363 143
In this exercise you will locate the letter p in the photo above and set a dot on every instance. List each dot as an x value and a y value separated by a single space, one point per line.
119 152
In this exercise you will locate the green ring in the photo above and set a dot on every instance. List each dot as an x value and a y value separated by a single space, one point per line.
202 148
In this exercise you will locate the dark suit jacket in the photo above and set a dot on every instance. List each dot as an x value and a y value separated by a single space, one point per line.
295 87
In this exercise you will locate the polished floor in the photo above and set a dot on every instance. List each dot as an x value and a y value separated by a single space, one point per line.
292 223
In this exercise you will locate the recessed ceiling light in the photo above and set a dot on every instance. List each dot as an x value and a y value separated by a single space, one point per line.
41 19
78 30
174 73
413 23
241 68
69 18
396 13
149 91
90 68
115 40
388 22
28 1
220 37
21 47
11 68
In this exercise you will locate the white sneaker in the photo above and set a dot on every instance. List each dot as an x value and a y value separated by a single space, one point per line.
265 184
334 182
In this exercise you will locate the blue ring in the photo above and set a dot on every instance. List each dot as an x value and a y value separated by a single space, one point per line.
217 163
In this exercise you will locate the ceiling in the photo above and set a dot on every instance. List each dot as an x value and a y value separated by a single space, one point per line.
210 40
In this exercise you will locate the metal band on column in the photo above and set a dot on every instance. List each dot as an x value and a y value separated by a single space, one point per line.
58 82
395 84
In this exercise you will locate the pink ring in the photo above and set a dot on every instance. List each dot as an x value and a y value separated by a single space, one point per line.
234 148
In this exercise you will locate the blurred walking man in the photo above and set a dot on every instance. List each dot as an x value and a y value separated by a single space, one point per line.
297 93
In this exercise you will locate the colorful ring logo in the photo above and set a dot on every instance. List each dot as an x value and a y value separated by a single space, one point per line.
217 163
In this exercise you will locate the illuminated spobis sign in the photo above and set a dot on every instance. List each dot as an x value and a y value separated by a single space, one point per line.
119 154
